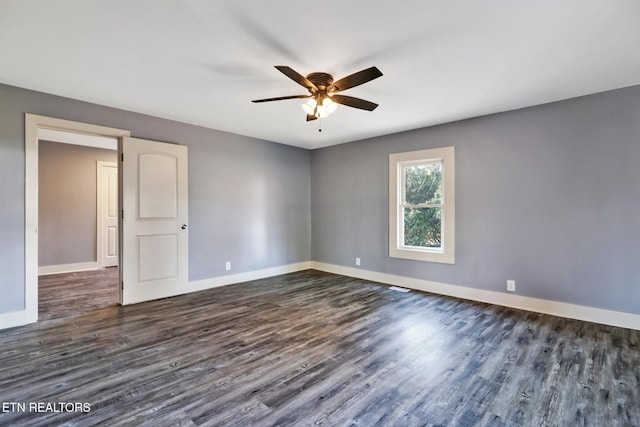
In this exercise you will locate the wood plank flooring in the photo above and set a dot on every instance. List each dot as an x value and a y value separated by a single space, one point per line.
312 348
70 294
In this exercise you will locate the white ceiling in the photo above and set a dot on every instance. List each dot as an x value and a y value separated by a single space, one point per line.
203 61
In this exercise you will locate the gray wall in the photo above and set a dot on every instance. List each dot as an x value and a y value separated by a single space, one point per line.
548 196
249 200
67 202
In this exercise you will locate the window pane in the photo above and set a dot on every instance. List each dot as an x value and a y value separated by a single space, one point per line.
423 184
423 227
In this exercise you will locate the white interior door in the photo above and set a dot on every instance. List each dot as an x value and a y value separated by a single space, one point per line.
154 233
107 235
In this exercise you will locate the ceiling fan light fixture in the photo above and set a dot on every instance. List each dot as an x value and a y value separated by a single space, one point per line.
329 106
324 109
309 107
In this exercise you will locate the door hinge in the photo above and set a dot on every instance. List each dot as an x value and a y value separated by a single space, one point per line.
122 157
122 285
122 214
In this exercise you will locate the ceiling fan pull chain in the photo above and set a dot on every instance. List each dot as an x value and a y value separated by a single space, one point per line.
319 125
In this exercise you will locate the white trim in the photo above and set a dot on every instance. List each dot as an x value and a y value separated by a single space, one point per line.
397 161
31 216
19 318
16 318
45 270
33 124
555 308
214 282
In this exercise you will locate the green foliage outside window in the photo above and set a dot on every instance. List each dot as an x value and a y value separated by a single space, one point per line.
422 209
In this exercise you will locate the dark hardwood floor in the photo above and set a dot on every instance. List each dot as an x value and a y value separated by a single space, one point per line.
71 294
312 348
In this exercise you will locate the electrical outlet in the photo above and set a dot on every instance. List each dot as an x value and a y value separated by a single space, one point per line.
511 285
227 265
357 261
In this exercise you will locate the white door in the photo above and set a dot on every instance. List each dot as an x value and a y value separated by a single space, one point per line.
154 233
107 220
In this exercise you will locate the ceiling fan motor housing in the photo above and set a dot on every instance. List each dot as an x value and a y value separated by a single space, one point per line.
321 80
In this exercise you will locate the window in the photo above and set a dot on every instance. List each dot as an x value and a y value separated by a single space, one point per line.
421 205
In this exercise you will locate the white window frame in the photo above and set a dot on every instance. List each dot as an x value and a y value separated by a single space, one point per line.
397 249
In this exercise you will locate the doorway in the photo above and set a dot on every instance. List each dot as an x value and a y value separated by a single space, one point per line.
77 223
77 202
34 126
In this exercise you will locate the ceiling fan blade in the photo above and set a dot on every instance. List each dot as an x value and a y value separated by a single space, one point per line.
310 117
280 98
296 77
355 79
350 101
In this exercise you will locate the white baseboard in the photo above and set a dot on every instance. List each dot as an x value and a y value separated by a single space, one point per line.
67 268
201 285
555 308
19 318
16 318
572 311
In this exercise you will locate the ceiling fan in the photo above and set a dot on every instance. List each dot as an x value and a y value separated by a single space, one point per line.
323 91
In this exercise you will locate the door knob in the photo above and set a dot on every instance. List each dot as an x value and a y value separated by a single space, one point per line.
184 226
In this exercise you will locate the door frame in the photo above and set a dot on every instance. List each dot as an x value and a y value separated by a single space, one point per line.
33 123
